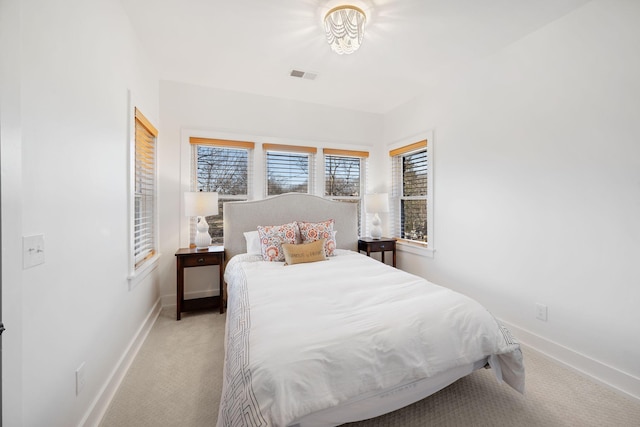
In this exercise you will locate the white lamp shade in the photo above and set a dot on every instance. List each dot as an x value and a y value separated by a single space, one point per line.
200 203
376 203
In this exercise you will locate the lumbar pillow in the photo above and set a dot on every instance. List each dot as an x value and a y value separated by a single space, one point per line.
305 252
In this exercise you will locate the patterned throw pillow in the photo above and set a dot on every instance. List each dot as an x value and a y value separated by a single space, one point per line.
273 236
312 231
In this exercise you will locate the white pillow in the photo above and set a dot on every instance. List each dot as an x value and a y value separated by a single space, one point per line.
253 242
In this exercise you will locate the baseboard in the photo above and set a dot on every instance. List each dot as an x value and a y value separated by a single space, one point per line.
606 375
101 403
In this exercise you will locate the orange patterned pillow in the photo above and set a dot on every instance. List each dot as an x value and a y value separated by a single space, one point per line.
273 236
312 231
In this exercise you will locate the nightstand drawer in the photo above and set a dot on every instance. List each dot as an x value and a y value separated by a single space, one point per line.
382 246
204 259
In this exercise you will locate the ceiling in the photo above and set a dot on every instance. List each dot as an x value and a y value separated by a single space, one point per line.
252 45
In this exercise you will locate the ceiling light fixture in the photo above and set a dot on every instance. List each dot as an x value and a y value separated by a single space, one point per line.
344 26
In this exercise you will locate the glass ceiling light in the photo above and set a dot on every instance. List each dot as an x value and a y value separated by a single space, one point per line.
344 26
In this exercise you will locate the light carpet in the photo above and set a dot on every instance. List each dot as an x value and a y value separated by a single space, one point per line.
176 380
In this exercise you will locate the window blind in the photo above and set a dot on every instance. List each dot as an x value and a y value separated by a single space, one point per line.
345 153
225 169
221 143
144 244
289 171
408 148
342 176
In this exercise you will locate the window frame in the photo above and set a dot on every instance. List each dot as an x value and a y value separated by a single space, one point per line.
404 148
196 142
139 269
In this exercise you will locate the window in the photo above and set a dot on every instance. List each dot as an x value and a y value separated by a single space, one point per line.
410 169
289 169
222 166
344 177
144 242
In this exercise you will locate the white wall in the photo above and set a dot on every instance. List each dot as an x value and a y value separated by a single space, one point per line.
78 59
537 186
10 156
187 110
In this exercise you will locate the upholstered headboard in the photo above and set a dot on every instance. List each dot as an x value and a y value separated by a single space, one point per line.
247 216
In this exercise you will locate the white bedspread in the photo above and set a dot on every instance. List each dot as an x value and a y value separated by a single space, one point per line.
306 337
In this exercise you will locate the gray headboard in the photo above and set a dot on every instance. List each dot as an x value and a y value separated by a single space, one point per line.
247 216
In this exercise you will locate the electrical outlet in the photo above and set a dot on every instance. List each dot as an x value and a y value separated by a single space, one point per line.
541 312
80 379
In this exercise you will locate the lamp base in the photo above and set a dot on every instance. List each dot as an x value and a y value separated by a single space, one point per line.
203 239
376 230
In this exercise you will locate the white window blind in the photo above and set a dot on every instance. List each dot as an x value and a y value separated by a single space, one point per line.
409 192
344 177
289 169
224 167
144 241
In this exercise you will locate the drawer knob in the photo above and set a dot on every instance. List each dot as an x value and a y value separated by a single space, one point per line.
201 260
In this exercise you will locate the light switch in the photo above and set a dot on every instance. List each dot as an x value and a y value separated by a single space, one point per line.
32 251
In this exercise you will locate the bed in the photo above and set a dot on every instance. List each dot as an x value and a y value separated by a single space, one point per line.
344 338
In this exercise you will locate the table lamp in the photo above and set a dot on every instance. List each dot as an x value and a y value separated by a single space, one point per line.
375 204
201 204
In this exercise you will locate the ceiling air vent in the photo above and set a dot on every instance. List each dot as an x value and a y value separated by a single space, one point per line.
303 74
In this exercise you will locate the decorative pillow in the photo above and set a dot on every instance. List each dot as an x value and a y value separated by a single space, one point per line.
273 236
253 242
312 231
305 252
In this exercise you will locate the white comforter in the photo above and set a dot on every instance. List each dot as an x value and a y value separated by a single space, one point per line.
306 337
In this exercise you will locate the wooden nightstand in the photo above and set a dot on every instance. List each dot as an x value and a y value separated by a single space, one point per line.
382 245
190 257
